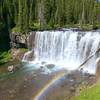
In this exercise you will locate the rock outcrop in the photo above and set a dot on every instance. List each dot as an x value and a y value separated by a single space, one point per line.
18 41
22 40
17 54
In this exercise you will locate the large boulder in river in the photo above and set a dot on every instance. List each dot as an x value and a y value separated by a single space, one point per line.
50 66
98 69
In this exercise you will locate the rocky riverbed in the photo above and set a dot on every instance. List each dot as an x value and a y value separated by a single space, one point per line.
27 84
69 86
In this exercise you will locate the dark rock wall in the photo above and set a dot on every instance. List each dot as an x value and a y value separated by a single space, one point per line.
18 41
4 40
31 40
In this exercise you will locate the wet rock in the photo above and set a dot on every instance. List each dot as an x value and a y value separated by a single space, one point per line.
50 66
17 54
71 80
10 68
72 89
25 79
34 75
25 86
29 56
17 40
12 91
13 68
42 70
43 63
41 67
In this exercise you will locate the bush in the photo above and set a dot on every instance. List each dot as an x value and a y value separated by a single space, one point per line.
5 57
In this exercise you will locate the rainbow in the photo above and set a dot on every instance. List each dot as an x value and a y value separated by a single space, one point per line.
45 88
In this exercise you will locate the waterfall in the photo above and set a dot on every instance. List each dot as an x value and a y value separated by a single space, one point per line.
66 49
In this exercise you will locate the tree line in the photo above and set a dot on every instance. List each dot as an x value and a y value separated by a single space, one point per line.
26 15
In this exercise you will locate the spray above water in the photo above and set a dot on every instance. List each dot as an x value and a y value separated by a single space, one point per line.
66 49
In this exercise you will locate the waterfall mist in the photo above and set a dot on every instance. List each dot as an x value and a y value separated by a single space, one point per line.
66 49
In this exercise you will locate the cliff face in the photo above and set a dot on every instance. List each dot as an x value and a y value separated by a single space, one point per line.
31 40
12 40
22 40
18 41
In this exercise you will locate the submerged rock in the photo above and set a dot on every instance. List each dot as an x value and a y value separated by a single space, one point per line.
41 67
50 66
43 62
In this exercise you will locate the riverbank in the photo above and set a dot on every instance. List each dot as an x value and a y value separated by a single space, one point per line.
11 55
11 59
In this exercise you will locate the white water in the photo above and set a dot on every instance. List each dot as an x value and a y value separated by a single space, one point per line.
66 49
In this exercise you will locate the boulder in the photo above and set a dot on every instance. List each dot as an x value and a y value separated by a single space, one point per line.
10 68
50 66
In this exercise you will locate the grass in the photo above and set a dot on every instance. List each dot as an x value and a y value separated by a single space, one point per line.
23 50
92 93
5 57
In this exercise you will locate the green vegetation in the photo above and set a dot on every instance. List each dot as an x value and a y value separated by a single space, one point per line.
5 57
26 15
23 50
92 93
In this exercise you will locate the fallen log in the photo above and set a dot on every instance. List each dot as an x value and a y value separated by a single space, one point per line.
89 58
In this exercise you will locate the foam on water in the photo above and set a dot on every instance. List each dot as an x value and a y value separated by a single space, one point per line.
66 49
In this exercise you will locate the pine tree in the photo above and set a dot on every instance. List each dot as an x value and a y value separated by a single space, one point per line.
28 14
20 15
